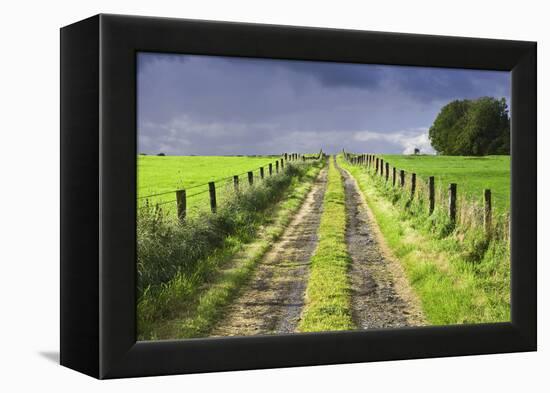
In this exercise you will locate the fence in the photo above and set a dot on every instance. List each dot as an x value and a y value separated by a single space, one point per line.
209 195
418 188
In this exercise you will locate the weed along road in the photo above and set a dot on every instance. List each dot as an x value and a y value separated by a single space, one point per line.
361 287
272 300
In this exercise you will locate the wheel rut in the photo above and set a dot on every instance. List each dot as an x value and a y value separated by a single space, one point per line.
381 295
272 300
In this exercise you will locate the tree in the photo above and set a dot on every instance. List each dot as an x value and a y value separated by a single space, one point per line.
416 151
161 154
472 127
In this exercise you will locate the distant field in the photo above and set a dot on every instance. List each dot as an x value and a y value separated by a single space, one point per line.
472 174
161 174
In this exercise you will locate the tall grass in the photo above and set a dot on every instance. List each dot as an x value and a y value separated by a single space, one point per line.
176 258
461 273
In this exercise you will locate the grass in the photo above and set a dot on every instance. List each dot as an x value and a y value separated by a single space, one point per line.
459 274
184 277
157 175
472 174
327 300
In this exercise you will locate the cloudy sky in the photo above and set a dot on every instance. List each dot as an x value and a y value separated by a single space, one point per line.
212 105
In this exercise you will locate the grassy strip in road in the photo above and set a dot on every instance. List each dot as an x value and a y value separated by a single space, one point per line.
453 287
191 302
327 303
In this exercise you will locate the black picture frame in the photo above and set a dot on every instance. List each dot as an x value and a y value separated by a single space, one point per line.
98 193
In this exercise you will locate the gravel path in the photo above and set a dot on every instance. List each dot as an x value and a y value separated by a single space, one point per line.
381 296
272 300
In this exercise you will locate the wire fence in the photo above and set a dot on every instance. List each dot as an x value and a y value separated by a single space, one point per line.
206 197
462 209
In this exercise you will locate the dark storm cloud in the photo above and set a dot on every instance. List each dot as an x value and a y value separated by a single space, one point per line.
220 105
431 84
338 74
331 74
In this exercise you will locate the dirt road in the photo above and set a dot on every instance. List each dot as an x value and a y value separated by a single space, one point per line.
273 299
381 295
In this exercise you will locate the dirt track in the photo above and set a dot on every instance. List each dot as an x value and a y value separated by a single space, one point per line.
272 300
381 296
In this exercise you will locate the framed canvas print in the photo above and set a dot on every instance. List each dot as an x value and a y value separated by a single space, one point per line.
239 196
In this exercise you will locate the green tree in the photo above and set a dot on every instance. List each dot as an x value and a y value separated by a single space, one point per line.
472 128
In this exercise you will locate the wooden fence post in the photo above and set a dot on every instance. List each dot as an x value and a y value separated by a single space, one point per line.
487 216
376 170
282 164
286 156
381 167
212 189
452 202
394 177
236 182
262 172
277 166
413 184
402 178
250 178
387 171
182 204
304 158
431 186
270 169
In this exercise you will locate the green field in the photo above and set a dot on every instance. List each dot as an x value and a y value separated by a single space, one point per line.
459 275
188 271
472 174
157 175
